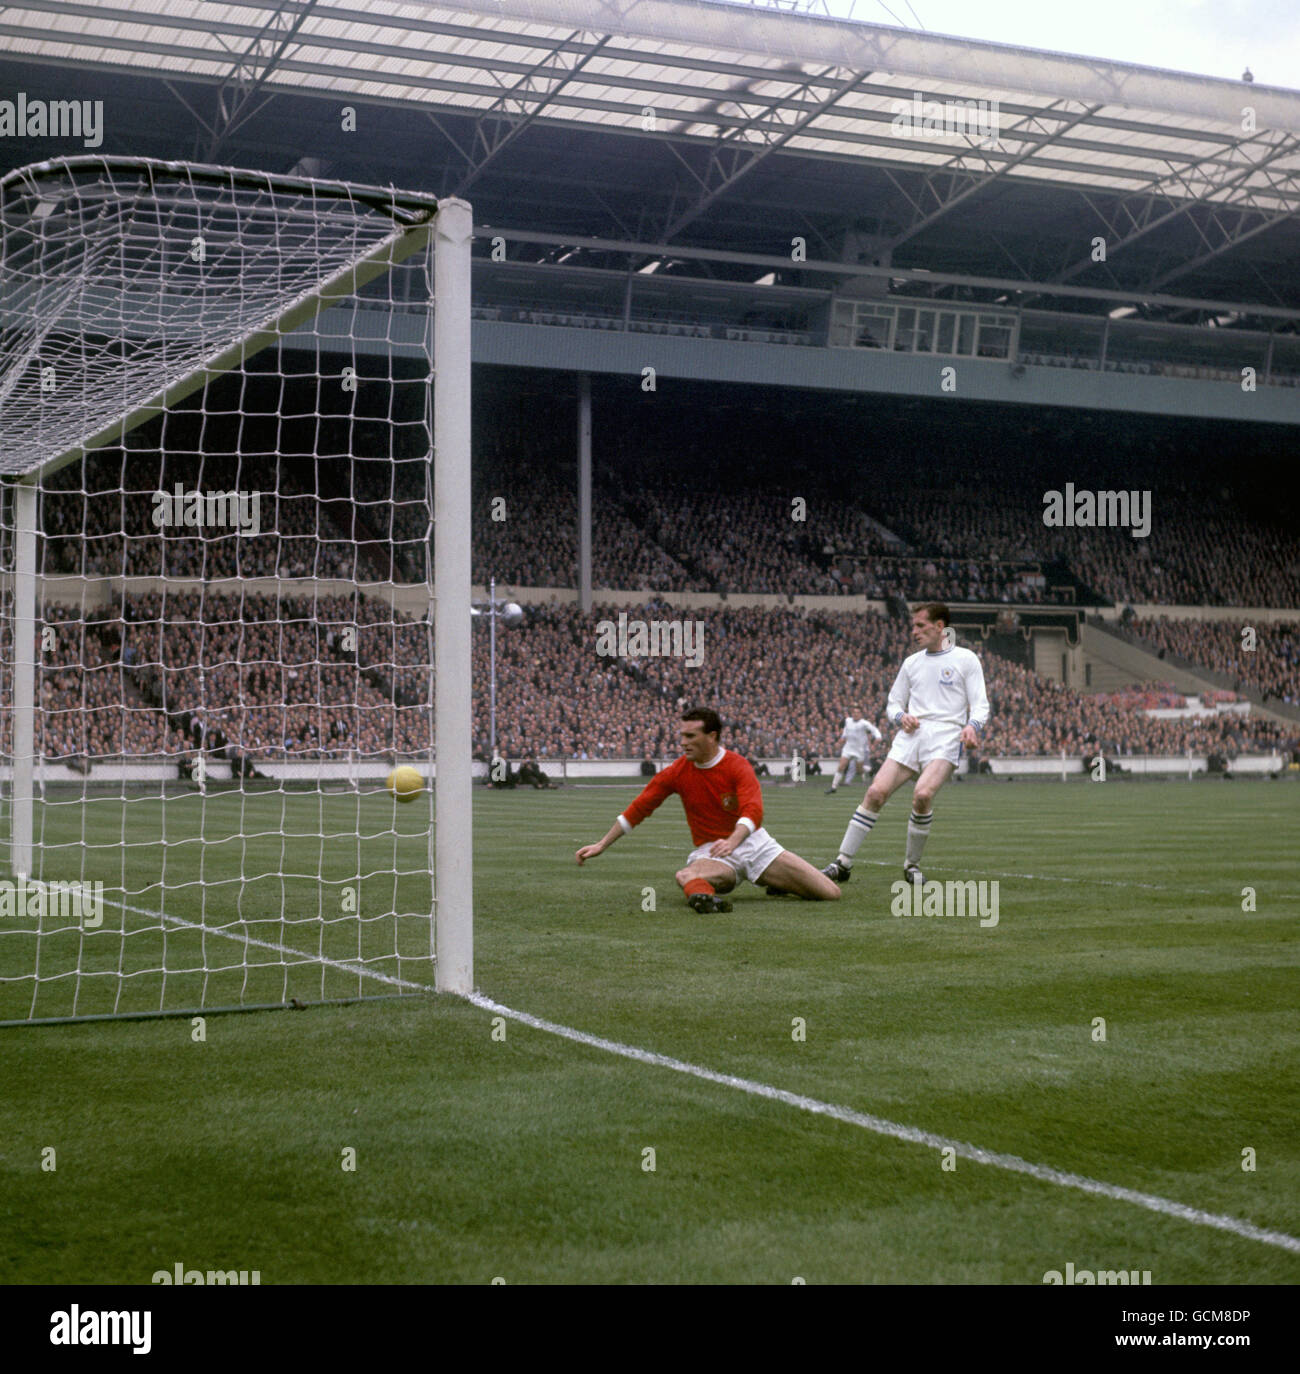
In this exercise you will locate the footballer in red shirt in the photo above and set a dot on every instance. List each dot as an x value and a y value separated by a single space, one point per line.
724 809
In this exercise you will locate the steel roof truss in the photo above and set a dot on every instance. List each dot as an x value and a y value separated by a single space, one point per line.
518 106
962 184
1135 216
735 155
237 97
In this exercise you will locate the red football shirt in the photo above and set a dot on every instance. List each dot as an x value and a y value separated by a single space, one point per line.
716 796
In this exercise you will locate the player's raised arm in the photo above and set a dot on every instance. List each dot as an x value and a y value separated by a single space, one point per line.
653 794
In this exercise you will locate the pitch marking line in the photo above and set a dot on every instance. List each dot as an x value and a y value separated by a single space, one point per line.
911 1134
240 938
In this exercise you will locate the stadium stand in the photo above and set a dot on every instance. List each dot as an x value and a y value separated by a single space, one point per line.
1272 668
272 679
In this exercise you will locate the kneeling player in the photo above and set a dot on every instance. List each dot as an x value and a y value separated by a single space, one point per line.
724 809
939 704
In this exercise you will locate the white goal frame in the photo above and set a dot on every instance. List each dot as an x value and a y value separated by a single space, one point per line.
442 230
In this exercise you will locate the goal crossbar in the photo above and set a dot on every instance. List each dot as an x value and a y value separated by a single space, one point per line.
412 217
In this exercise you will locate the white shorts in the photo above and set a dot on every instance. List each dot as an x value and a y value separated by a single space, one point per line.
929 741
853 754
749 859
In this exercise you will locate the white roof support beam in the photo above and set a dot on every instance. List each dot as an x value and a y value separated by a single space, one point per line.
1134 217
520 105
962 184
237 97
732 157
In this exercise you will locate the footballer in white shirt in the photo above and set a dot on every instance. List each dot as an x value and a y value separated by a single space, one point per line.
855 734
939 704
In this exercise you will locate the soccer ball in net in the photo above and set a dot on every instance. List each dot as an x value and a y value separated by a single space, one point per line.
405 784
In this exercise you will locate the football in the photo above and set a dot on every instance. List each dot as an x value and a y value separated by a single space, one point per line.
405 783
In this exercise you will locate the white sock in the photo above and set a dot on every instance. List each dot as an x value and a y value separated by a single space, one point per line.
859 828
918 828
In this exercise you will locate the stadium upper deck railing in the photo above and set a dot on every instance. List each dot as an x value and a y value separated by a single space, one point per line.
1024 338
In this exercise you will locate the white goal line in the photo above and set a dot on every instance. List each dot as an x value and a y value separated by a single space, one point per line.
911 1135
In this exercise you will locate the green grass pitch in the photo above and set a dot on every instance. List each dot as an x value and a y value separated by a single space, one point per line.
524 1158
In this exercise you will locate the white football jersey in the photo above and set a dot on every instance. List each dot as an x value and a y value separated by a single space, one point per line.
947 688
855 734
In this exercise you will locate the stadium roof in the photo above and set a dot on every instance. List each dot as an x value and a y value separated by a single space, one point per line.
758 77
751 106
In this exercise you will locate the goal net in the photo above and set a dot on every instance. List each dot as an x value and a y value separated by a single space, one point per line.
231 419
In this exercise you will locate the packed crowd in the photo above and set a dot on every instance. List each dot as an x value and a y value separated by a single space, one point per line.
249 675
556 697
667 521
524 534
1202 547
1033 716
783 681
1144 696
304 678
933 578
103 519
1272 667
733 531
744 540
87 705
389 512
1196 555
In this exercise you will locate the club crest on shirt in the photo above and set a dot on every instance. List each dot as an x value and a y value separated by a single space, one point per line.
947 674
729 802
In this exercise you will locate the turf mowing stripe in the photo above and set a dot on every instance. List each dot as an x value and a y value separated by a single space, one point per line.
1033 877
911 1134
1058 878
1013 1163
1050 878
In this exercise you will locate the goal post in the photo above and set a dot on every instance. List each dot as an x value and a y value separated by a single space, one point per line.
453 857
234 415
24 672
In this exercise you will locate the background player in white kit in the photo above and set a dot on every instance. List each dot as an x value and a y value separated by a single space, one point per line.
855 751
939 704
